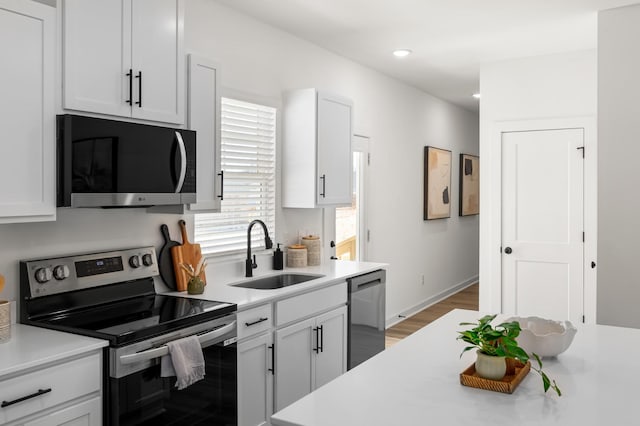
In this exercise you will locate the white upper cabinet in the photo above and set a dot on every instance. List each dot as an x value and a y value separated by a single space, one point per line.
203 117
27 111
124 58
317 150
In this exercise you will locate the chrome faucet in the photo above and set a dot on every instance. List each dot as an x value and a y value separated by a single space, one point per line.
250 263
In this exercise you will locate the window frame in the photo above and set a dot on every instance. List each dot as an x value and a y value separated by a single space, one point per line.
257 236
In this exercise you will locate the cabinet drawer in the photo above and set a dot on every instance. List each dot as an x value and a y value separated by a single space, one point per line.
66 381
308 304
254 321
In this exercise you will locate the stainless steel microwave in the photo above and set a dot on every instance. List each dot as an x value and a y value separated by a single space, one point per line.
109 163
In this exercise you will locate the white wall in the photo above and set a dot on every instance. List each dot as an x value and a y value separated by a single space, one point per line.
619 135
543 88
261 62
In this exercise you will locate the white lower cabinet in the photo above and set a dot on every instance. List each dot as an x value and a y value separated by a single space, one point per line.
288 349
255 380
87 413
309 354
68 393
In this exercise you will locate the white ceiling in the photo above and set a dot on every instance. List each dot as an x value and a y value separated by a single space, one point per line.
450 39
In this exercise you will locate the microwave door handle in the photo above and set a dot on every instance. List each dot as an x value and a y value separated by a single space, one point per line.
164 349
183 162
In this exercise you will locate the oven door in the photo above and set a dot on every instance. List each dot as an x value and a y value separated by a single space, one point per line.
143 397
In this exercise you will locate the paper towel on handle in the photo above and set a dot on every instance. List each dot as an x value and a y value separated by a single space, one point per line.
185 361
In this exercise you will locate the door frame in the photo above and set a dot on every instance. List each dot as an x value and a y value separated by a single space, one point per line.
359 143
588 123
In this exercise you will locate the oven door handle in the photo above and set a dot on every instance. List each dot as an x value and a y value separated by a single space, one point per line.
164 349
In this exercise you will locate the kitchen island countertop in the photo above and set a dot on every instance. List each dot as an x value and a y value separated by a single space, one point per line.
416 382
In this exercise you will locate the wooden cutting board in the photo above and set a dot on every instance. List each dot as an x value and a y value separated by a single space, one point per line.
185 253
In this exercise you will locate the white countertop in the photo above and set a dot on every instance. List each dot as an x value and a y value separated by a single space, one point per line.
219 289
416 382
30 347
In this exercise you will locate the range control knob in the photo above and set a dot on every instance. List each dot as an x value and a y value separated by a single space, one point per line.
61 272
43 275
134 261
147 259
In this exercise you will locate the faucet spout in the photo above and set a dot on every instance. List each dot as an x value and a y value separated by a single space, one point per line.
250 263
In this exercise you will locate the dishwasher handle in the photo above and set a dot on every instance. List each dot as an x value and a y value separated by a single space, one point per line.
362 282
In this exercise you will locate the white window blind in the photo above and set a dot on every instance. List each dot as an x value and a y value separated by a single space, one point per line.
248 158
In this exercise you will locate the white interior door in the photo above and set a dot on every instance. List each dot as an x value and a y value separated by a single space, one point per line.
542 223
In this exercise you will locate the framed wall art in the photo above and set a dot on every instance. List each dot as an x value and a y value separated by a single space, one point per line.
469 185
437 183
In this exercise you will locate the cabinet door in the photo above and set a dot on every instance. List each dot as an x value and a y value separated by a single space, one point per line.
334 150
158 60
255 380
87 413
331 360
294 362
204 112
97 55
27 150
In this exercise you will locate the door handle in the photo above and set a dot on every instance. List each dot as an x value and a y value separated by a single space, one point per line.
221 174
258 321
317 331
24 398
273 360
324 185
139 101
183 162
508 250
130 75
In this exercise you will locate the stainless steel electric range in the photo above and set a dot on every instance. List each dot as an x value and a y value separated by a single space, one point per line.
111 295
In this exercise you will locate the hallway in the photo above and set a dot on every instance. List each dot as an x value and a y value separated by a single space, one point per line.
464 299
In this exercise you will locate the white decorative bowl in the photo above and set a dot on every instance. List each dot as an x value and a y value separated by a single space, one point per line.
545 337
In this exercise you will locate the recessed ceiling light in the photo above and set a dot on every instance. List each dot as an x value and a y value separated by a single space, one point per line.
476 95
401 53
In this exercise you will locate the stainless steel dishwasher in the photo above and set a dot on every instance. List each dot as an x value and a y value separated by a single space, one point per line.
366 316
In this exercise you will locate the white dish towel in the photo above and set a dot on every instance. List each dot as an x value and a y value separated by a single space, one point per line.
185 361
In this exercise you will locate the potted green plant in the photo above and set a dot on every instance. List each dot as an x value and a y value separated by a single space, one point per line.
494 345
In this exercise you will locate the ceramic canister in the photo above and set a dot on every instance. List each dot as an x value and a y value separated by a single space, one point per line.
296 256
312 242
5 320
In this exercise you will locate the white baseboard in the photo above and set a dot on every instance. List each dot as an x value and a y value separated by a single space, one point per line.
401 316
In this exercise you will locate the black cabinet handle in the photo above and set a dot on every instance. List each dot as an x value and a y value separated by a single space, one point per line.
139 77
221 174
508 250
317 331
324 185
321 338
24 398
273 359
130 75
249 324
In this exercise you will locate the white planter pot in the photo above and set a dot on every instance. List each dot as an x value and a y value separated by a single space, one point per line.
490 367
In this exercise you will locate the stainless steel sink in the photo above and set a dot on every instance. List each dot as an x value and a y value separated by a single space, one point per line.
277 281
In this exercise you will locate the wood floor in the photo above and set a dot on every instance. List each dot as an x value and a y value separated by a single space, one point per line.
465 299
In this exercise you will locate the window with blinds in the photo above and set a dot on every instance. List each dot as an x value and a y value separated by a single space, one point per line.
248 157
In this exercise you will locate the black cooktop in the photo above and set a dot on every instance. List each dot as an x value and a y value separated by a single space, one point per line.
138 318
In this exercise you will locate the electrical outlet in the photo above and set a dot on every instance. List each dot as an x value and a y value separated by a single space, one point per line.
422 279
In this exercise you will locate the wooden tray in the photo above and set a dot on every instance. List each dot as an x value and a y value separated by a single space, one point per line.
516 371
